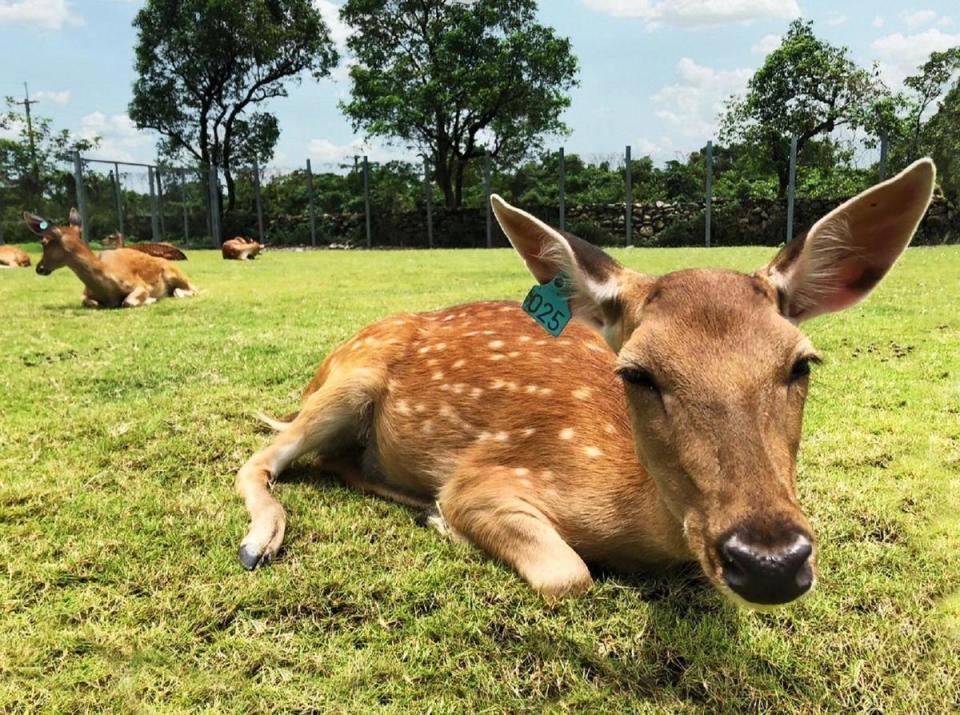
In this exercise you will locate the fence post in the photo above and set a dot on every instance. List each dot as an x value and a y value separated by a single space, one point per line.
212 173
629 206
118 195
183 200
791 186
486 195
81 197
883 157
163 225
154 223
313 213
1 217
366 198
256 190
563 192
428 197
708 208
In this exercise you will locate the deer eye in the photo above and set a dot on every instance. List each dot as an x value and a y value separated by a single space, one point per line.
638 377
800 370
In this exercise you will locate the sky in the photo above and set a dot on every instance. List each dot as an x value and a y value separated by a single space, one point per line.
653 73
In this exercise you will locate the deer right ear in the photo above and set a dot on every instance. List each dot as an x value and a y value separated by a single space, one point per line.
39 225
849 250
75 218
598 280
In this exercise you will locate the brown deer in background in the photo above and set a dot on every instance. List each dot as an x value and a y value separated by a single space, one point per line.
671 438
241 248
13 257
160 250
120 278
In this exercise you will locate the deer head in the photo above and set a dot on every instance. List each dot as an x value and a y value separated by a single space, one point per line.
716 371
57 241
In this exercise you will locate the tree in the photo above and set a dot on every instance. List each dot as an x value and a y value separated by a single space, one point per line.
805 88
941 139
457 80
204 66
927 86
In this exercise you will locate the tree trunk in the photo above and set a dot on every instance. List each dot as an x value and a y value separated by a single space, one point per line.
231 189
441 173
458 186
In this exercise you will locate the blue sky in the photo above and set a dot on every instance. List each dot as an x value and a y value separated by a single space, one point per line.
653 73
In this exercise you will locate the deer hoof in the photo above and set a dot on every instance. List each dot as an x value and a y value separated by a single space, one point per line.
251 557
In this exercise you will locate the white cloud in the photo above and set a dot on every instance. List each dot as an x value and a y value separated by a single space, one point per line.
696 13
660 149
878 21
835 19
339 31
326 152
49 14
901 54
766 45
120 140
50 96
692 105
917 18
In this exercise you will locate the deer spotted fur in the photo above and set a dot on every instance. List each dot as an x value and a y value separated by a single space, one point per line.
161 250
241 248
673 437
119 278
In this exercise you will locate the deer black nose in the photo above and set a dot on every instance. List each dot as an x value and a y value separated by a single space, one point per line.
41 269
765 575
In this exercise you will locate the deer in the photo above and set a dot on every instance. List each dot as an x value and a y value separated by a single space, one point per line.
120 278
161 250
13 257
662 426
241 248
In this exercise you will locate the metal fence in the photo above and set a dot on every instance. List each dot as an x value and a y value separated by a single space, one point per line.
186 203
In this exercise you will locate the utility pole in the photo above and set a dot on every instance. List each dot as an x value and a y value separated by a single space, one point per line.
33 149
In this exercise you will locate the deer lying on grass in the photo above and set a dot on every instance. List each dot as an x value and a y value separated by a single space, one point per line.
675 440
120 278
13 257
160 250
241 248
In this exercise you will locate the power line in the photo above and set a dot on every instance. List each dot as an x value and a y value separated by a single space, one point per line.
33 149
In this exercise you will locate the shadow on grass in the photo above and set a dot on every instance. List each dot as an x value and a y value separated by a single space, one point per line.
691 637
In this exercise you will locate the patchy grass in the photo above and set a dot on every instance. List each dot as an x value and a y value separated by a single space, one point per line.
121 431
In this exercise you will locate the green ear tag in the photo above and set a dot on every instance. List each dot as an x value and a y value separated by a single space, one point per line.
44 225
549 304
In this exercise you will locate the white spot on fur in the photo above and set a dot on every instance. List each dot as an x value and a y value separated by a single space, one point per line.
540 342
529 431
592 451
471 333
497 356
459 363
531 389
506 309
427 427
357 345
512 386
458 388
438 376
420 408
556 360
440 346
521 471
501 436
547 475
449 317
526 483
567 433
525 338
497 384
403 408
596 347
513 354
476 392
546 391
424 349
495 344
488 332
609 428
399 322
582 393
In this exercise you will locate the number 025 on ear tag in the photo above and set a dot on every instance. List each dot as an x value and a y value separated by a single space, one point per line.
549 304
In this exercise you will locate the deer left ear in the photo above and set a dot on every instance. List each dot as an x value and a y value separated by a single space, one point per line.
598 281
847 252
75 218
39 225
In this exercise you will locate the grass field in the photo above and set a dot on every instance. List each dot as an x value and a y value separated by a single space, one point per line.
121 432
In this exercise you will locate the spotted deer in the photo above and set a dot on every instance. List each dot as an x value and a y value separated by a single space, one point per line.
119 278
241 248
13 257
663 427
160 249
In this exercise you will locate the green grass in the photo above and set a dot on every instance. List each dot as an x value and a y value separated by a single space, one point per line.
121 431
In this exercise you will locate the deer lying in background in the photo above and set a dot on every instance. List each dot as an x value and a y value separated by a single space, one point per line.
120 278
675 440
241 248
160 250
13 257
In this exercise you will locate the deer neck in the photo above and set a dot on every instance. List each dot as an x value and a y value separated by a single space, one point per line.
89 269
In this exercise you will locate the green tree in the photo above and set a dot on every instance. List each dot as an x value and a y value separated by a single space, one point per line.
928 85
806 88
457 80
205 66
941 139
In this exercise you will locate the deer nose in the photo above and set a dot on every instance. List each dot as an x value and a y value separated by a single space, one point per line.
764 575
41 269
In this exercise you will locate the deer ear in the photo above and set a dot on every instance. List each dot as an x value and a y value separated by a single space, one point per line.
847 252
598 281
39 225
75 218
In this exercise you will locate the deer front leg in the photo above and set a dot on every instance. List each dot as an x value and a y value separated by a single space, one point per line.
500 516
138 296
88 301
